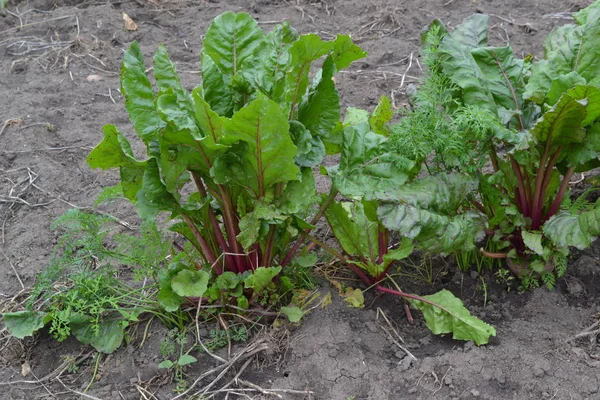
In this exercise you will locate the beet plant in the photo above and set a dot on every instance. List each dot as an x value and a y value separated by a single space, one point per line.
230 163
501 138
368 165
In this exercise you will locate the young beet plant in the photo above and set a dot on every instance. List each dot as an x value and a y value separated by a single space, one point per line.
367 166
502 137
231 162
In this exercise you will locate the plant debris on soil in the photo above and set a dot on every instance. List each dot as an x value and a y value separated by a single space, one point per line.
59 80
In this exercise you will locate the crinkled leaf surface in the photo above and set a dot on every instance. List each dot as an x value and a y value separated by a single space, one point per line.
357 235
215 86
459 64
304 51
298 195
367 163
452 317
270 157
569 48
250 225
267 67
562 123
429 211
504 75
139 95
231 39
566 229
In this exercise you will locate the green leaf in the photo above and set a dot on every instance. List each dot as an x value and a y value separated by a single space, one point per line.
304 51
166 364
382 114
590 13
357 235
533 240
3 3
567 49
115 151
188 283
367 163
429 211
561 85
186 359
227 280
354 297
459 64
321 109
24 323
231 39
473 32
561 124
267 68
270 157
450 316
307 260
242 302
299 195
215 86
294 314
566 229
250 225
260 278
345 52
580 154
154 195
503 73
588 57
591 94
109 337
404 250
139 95
164 70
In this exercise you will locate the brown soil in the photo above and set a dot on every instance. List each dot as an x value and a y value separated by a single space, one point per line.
337 352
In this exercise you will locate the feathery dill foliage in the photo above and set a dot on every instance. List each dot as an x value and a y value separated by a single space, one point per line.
438 131
81 281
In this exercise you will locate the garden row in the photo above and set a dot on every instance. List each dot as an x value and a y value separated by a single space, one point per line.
480 163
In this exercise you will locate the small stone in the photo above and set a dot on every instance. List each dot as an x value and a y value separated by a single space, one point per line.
133 381
448 380
499 376
468 346
475 393
400 354
412 390
474 275
405 364
371 327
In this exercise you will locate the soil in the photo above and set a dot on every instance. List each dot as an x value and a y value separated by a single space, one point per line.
59 66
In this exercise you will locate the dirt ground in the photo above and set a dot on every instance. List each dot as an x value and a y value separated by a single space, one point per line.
59 66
